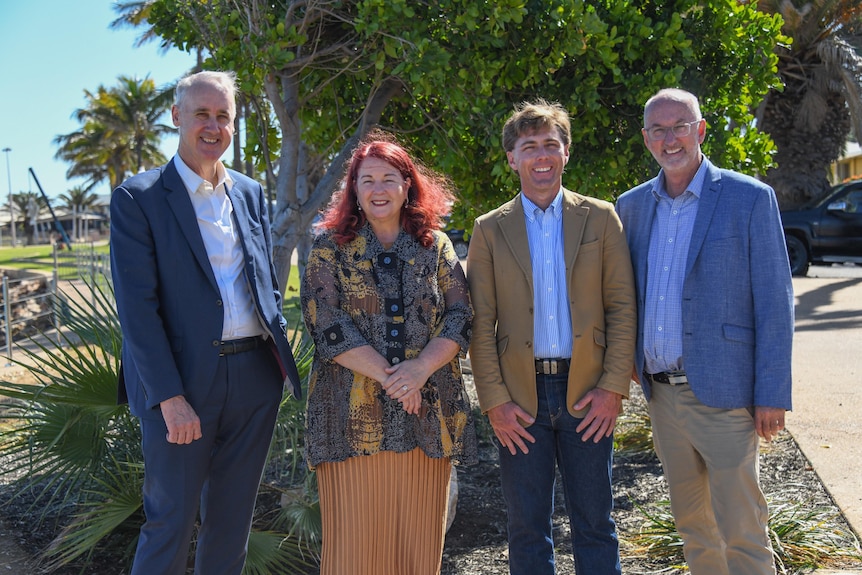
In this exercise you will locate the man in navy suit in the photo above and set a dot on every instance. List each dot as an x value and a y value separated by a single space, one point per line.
715 328
205 354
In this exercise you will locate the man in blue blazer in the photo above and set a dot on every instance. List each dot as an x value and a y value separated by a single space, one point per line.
715 328
205 354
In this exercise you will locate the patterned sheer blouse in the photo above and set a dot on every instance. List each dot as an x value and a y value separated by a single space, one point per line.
394 300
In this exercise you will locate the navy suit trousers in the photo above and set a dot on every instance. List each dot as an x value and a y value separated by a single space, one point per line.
216 476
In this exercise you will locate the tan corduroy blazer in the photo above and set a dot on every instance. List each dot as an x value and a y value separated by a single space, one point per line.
601 299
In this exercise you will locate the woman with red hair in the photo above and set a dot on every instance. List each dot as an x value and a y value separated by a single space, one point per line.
385 299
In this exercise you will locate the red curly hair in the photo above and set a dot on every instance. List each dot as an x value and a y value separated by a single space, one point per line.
429 198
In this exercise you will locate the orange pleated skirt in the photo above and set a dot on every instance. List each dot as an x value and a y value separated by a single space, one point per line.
383 514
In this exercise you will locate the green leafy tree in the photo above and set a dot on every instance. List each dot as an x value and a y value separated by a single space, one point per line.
819 103
120 132
443 75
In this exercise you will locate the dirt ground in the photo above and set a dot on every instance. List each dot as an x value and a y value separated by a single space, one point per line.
476 543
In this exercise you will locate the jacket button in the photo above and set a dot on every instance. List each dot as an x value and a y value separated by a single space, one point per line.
216 343
219 302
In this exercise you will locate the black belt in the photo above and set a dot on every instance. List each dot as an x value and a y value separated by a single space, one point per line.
552 366
233 346
668 377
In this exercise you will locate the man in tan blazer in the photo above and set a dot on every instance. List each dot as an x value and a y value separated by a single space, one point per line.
553 343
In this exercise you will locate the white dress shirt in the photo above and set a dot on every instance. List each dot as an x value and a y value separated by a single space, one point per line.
214 213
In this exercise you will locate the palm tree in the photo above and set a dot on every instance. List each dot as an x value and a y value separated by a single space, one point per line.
120 132
28 205
78 199
135 14
820 104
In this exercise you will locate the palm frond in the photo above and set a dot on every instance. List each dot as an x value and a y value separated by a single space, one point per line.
270 552
66 431
115 502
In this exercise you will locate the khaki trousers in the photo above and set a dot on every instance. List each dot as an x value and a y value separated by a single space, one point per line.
383 514
710 461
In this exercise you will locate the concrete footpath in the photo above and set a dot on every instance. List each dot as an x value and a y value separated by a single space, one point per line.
827 382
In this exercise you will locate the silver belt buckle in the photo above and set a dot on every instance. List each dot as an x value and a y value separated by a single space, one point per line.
676 378
550 367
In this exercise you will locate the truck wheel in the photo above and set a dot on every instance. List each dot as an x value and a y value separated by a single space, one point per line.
798 255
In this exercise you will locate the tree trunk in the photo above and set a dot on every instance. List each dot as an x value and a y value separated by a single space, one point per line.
295 207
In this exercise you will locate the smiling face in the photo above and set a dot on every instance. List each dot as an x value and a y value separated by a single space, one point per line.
539 158
678 156
205 121
381 191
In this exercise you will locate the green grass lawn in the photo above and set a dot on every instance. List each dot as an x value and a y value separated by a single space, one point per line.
41 258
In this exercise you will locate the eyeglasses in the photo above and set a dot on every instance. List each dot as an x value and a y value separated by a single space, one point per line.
679 131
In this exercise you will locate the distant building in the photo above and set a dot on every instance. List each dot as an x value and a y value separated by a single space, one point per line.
849 165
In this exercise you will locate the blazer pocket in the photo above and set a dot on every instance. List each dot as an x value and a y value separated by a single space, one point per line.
738 333
600 338
589 246
502 344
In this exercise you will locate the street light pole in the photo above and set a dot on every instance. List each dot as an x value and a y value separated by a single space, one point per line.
11 205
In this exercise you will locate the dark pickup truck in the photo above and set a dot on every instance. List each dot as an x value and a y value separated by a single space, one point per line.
826 231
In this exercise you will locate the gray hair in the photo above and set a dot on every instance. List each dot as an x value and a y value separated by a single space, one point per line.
226 80
674 95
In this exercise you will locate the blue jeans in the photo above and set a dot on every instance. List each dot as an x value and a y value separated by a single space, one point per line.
528 487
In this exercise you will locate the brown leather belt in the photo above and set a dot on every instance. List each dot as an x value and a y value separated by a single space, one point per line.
552 366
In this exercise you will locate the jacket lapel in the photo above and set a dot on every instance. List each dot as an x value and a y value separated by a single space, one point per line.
705 209
641 236
574 223
180 203
514 231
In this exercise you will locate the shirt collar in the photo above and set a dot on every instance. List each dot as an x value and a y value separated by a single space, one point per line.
193 181
553 209
695 186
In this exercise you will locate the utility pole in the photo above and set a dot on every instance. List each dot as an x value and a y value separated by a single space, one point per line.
11 205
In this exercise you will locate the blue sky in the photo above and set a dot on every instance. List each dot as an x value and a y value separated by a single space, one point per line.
50 52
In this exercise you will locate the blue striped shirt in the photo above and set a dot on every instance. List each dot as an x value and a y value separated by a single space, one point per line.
668 252
552 324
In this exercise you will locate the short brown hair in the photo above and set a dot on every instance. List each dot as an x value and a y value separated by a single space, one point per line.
531 117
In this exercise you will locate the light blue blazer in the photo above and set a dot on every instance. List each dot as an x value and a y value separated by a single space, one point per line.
737 308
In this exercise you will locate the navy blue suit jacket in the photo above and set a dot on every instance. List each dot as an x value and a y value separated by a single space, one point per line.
167 297
737 308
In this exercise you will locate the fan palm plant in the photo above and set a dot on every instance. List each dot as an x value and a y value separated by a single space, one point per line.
70 445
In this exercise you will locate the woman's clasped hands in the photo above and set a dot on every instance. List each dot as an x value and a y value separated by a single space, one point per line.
405 383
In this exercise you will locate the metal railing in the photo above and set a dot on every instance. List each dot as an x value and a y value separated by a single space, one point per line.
39 310
82 263
83 269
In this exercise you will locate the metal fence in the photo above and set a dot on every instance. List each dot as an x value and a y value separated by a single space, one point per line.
28 307
76 273
82 263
